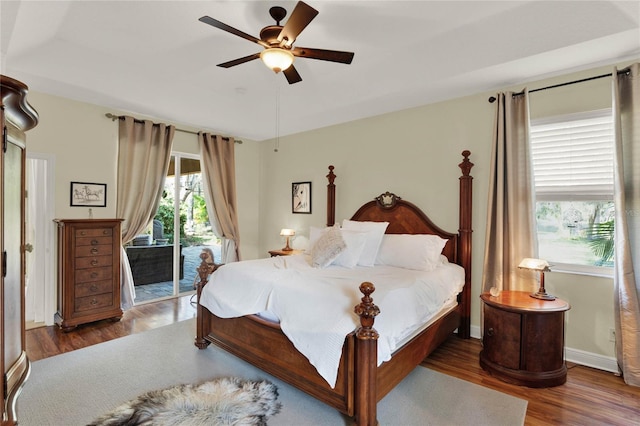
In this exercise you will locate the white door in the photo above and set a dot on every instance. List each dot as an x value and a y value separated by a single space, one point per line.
40 296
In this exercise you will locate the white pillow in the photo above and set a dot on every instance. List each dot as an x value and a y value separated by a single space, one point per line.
419 252
374 231
355 242
328 247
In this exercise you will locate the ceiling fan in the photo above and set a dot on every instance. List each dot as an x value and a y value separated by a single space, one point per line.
279 52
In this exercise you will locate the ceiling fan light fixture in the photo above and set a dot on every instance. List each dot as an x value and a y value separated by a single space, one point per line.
277 59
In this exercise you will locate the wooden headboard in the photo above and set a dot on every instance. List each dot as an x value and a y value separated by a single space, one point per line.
406 218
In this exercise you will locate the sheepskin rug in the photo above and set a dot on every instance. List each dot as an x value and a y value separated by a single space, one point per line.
226 401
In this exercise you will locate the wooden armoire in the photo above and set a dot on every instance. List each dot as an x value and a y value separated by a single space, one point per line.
17 116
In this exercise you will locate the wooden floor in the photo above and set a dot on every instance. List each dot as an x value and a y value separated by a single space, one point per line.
44 342
590 397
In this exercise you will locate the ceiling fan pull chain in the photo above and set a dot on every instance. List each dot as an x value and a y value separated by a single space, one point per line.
277 142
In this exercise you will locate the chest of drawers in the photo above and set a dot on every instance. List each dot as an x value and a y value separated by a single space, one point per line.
88 271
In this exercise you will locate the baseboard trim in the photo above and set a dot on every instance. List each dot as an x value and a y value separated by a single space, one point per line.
588 359
475 332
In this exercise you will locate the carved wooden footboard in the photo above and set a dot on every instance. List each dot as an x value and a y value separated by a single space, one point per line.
262 343
361 383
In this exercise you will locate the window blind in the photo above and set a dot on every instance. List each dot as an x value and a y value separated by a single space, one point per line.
573 157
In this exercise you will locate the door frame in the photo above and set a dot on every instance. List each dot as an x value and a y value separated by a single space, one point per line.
45 234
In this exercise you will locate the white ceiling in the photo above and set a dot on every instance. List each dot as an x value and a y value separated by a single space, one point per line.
155 58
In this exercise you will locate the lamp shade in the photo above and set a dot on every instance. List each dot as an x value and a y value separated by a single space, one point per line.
277 59
534 264
286 232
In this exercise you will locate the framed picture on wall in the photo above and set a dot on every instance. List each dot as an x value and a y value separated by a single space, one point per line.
301 197
86 194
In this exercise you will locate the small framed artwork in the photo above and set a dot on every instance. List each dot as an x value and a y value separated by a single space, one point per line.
301 197
86 194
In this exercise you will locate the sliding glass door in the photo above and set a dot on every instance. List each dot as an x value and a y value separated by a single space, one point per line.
177 235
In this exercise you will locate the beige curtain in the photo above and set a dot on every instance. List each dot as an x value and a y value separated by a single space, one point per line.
510 217
219 170
144 151
626 110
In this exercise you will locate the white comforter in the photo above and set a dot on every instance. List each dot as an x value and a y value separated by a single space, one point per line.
315 306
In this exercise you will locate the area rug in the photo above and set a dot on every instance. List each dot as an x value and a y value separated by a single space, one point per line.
77 387
227 401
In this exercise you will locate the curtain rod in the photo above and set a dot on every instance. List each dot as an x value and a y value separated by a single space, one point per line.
114 117
492 99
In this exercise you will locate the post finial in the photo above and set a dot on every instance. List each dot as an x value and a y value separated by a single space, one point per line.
367 312
466 165
331 176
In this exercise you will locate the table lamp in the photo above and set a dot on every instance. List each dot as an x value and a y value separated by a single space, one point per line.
540 266
285 232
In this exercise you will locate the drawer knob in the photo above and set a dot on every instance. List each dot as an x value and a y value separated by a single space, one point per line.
93 288
83 233
94 242
94 251
94 275
94 302
490 332
94 262
105 232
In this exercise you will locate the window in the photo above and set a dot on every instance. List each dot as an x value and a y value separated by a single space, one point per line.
573 172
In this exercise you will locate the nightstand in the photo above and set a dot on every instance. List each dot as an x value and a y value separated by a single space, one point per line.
523 340
281 252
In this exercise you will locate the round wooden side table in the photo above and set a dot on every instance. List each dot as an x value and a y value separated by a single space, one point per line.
523 341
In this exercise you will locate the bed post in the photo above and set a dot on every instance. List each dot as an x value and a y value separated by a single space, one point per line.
464 247
206 267
366 359
331 198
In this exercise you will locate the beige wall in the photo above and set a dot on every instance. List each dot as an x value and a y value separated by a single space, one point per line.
84 145
414 153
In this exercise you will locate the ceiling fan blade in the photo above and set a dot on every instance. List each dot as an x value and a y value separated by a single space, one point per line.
300 17
323 55
221 25
239 61
292 75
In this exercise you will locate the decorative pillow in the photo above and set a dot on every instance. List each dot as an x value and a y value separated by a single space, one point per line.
327 248
419 252
374 231
355 242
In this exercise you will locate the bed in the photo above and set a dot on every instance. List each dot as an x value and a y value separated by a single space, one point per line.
361 381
